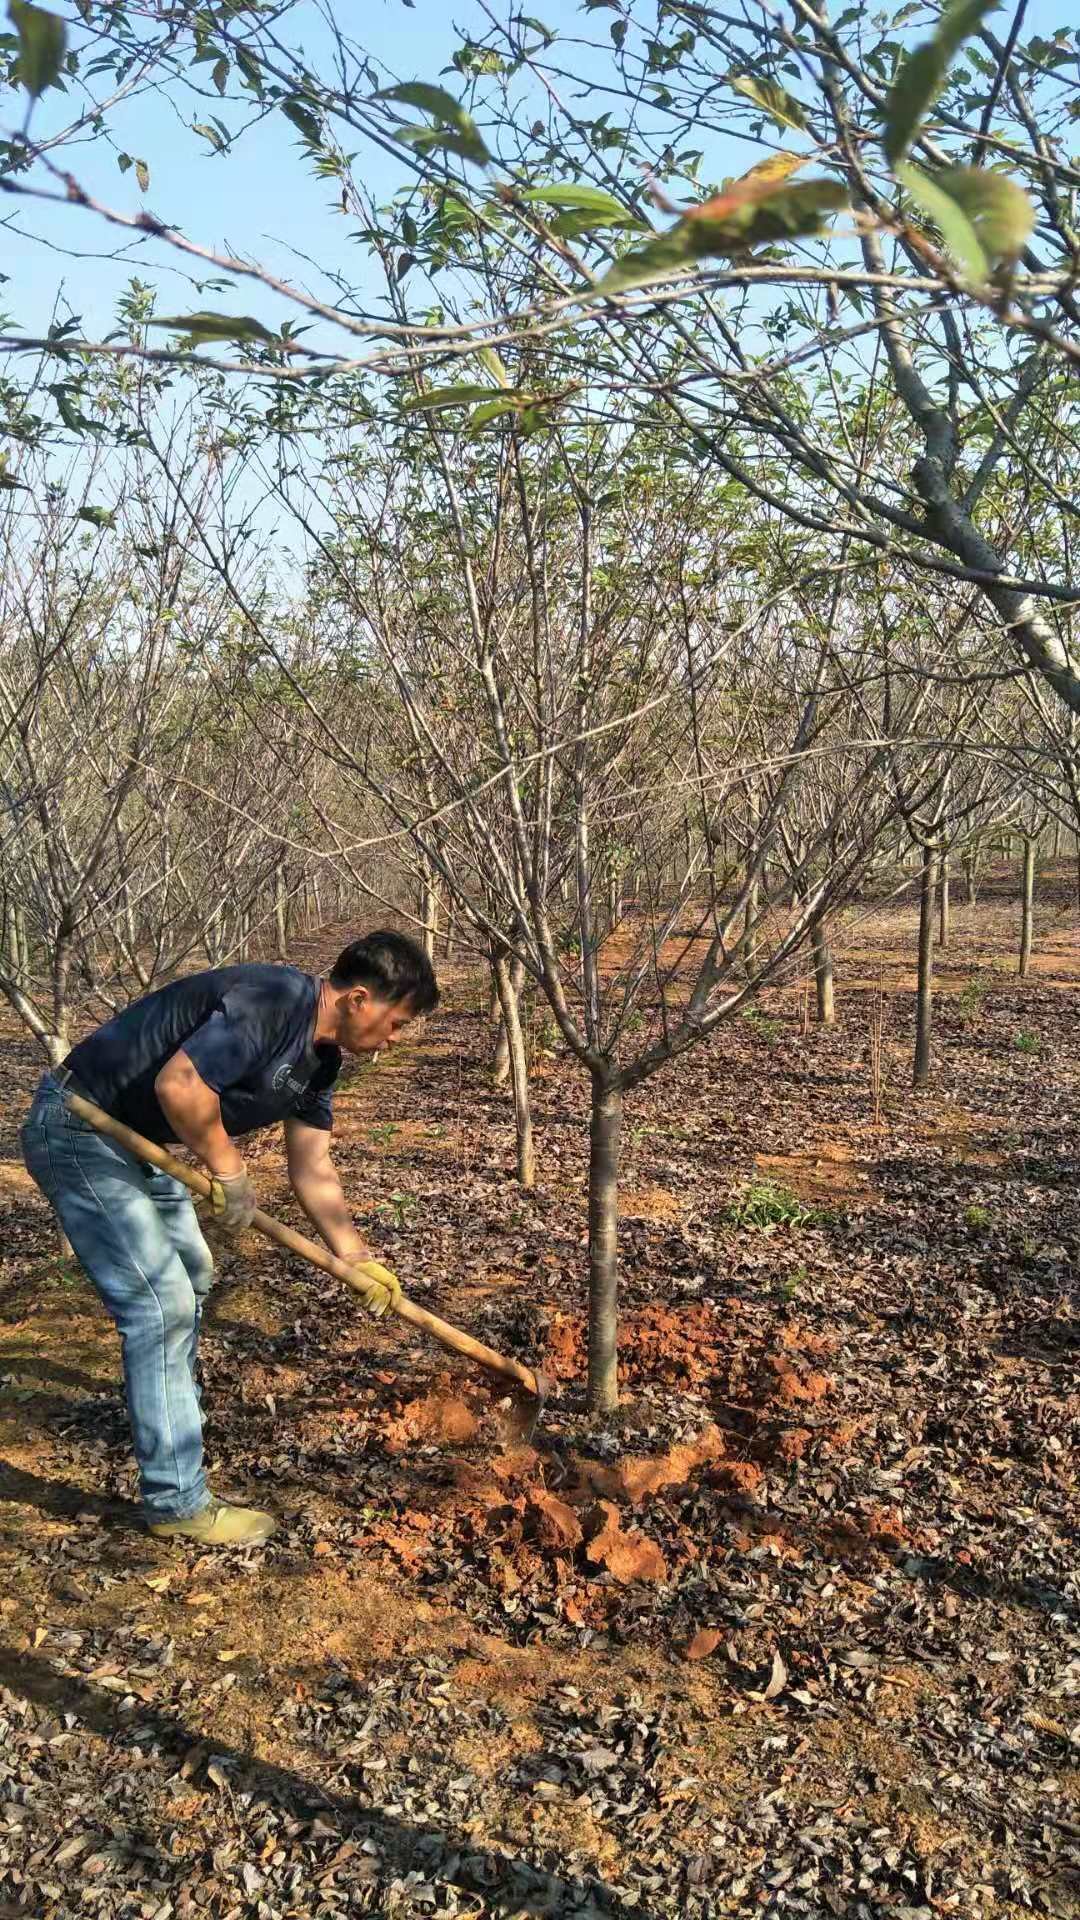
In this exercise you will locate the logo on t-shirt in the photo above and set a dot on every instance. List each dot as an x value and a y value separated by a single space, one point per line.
286 1081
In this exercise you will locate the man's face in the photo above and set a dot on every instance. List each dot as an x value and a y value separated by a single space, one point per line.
368 1025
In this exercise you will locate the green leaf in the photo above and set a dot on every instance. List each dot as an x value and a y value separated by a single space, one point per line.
250 69
142 175
303 120
447 112
488 358
124 161
431 139
9 484
492 409
216 326
438 398
66 408
776 101
599 209
748 216
220 74
950 219
434 100
676 248
42 46
922 74
999 210
97 516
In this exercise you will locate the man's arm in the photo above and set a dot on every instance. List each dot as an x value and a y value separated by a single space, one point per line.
193 1110
314 1180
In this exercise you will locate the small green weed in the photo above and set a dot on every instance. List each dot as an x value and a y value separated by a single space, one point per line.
62 1274
383 1133
979 1219
788 1287
400 1208
1027 1042
767 1029
969 1000
762 1206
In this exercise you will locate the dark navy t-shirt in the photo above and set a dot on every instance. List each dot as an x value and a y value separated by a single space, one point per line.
246 1030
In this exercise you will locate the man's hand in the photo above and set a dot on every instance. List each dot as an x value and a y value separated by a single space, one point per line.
234 1200
377 1286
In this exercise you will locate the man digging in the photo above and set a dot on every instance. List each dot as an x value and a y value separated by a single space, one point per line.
204 1061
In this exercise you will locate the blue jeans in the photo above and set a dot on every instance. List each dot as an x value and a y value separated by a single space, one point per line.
135 1232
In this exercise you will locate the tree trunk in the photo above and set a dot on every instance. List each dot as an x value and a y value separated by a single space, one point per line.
968 868
500 1063
746 944
61 976
925 1002
823 976
509 1001
604 1134
1027 905
280 922
451 935
1057 840
20 949
429 914
944 919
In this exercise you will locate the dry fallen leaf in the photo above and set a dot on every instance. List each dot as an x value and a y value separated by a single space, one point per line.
704 1642
777 1678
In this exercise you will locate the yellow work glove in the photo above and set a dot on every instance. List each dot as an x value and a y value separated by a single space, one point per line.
233 1200
377 1286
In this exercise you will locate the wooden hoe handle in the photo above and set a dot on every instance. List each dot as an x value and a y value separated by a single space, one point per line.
200 1183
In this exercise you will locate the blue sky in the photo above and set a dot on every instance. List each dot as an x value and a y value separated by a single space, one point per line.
261 198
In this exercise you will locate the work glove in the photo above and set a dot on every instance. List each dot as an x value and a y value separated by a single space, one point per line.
378 1288
233 1200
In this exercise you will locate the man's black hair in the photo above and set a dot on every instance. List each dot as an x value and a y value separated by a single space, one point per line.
394 967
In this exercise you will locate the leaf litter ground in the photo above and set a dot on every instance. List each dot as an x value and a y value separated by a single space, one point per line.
796 1632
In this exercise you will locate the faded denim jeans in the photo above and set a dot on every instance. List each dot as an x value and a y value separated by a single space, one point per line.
135 1232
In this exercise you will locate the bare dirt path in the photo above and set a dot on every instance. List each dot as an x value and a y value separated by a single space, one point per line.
797 1632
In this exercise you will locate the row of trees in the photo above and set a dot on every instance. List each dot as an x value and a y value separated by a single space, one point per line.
552 696
619 598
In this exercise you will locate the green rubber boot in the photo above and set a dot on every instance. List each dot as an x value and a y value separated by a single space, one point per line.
218 1525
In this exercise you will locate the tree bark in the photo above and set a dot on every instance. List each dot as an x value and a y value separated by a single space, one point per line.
749 935
604 1134
280 921
1027 905
823 978
519 1079
61 977
944 905
925 998
429 914
500 1062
